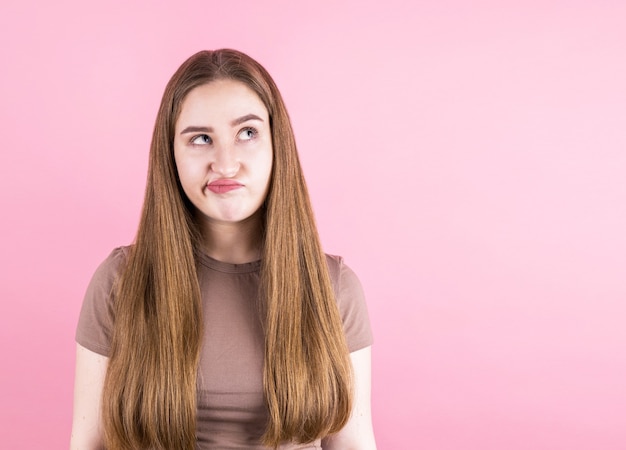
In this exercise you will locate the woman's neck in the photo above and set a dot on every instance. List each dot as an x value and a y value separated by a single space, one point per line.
235 243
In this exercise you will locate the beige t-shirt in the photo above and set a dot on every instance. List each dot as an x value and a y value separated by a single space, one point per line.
231 410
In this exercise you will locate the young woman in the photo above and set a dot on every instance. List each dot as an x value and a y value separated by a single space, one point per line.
224 325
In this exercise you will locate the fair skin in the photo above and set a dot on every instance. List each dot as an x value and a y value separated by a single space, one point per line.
223 138
88 381
358 433
223 152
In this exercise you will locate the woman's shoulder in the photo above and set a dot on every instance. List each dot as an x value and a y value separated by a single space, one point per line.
95 323
334 261
119 254
108 271
342 276
112 264
351 303
337 265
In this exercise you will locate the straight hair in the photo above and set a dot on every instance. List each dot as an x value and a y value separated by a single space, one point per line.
149 394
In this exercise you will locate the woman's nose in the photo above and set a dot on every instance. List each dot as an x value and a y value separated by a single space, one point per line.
225 163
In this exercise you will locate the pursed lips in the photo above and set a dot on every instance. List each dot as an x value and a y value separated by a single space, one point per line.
222 186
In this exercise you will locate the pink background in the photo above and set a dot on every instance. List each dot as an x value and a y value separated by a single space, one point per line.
467 158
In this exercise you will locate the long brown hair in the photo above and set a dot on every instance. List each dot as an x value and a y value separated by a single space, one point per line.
149 396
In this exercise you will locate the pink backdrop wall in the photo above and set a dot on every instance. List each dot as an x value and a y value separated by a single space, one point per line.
467 158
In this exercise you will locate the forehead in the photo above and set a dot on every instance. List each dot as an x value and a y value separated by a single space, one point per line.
220 100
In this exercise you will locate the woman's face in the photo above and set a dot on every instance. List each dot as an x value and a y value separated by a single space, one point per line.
223 151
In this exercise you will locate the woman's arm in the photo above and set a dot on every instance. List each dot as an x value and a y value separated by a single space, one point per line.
358 434
89 379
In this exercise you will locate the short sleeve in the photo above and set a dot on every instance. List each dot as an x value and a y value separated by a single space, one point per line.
95 323
351 303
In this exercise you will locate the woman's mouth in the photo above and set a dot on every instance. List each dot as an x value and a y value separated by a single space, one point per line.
223 186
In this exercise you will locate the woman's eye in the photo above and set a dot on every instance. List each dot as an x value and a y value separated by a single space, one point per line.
246 134
202 139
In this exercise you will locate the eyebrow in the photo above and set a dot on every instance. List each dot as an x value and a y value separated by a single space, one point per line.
245 118
193 129
234 123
